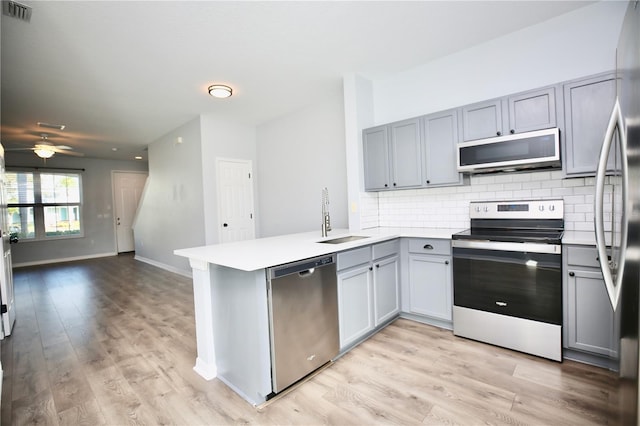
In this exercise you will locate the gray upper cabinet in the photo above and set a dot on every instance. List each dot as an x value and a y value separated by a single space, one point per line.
440 136
521 112
587 106
482 120
533 110
406 170
392 157
376 158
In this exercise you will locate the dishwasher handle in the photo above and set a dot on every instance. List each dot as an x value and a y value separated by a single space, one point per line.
307 273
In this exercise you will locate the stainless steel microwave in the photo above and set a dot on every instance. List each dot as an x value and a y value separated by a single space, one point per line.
529 150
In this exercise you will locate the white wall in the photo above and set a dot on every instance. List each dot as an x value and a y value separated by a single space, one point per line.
171 211
223 138
574 45
299 155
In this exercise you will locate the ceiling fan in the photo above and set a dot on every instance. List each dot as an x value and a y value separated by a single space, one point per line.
45 149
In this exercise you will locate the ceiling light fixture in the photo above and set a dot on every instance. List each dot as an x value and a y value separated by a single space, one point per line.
51 126
44 152
220 91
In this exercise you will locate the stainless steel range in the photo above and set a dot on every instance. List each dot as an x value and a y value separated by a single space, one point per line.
507 276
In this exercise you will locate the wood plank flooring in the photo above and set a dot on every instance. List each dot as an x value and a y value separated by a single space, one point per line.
112 341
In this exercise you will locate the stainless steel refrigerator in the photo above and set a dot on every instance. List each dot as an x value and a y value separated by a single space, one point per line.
617 215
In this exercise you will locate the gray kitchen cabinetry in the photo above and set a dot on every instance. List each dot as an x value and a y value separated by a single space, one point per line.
440 137
430 281
482 120
590 325
517 113
392 157
368 293
587 107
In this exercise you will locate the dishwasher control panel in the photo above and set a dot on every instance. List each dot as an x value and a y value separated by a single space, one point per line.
301 266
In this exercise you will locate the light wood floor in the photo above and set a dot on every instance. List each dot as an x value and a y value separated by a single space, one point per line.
112 341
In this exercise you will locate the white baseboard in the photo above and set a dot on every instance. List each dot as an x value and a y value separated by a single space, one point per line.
63 259
164 266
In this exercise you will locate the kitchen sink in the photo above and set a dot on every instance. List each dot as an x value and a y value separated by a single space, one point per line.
341 240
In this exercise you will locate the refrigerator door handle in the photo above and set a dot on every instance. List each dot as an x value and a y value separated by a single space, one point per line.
613 283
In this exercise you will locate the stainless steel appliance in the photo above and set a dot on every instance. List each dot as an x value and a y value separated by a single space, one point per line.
303 318
507 276
621 272
529 150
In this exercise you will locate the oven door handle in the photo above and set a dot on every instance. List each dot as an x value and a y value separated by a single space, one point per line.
505 246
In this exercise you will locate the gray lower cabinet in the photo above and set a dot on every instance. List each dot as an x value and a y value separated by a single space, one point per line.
368 292
590 324
517 113
440 137
430 280
392 156
587 107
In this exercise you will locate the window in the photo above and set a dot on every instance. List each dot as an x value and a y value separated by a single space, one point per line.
44 205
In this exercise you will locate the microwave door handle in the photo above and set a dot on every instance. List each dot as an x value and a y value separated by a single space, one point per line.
612 285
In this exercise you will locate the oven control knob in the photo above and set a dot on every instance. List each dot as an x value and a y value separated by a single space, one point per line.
552 207
541 207
477 209
486 209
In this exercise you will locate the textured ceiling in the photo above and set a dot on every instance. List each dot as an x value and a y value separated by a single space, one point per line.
122 74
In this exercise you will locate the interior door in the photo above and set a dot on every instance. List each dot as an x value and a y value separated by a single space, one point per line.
235 200
127 190
6 268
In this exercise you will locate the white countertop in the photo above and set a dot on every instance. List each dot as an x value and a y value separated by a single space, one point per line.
587 238
261 253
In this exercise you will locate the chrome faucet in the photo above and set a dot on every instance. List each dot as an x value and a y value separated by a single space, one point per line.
326 220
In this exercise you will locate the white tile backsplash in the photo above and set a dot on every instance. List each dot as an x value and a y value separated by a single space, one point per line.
448 207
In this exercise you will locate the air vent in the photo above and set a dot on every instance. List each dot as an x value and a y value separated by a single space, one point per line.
16 10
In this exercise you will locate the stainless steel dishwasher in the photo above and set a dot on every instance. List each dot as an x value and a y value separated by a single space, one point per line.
303 318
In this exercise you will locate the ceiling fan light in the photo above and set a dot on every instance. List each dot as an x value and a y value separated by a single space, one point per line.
220 91
44 153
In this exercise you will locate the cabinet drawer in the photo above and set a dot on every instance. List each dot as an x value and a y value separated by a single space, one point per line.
429 246
348 259
583 256
385 249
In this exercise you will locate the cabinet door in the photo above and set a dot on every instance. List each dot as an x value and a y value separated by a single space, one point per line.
430 286
482 120
440 139
406 169
535 110
376 158
385 284
587 108
355 303
591 319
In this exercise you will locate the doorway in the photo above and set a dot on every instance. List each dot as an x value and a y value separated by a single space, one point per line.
127 190
235 199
